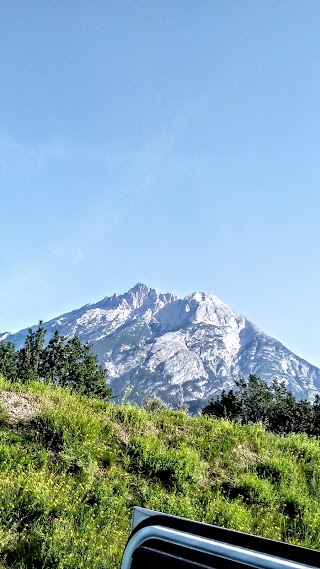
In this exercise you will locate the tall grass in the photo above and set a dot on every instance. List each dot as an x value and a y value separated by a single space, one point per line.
70 476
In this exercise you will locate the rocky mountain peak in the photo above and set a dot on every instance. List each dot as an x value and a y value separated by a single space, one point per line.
144 296
141 288
183 350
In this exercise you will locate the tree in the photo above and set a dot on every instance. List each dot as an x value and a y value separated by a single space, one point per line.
250 403
316 416
273 405
83 371
283 409
62 362
227 405
304 422
70 363
255 396
8 361
53 360
29 357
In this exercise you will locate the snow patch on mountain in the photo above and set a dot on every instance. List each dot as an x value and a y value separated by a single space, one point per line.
4 335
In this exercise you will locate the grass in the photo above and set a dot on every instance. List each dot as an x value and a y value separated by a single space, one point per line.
70 475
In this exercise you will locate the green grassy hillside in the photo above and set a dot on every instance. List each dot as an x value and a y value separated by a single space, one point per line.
71 469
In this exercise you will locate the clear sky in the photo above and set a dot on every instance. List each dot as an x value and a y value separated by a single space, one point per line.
171 142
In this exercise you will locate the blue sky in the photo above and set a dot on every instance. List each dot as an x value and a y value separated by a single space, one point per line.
175 143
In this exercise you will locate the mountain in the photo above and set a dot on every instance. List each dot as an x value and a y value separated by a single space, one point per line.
182 350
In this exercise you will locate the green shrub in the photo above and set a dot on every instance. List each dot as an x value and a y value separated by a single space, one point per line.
251 489
174 468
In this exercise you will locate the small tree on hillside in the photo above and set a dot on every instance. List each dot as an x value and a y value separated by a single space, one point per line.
70 363
282 416
29 357
53 359
82 371
256 398
8 361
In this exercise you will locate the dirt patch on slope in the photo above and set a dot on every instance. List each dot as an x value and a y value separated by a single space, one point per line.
245 455
19 406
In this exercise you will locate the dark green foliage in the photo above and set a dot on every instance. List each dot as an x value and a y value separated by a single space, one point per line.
8 361
172 468
29 357
70 363
250 489
256 401
67 363
227 406
282 412
248 404
53 359
304 417
316 415
81 370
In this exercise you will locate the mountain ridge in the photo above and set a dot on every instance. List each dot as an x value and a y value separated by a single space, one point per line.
184 350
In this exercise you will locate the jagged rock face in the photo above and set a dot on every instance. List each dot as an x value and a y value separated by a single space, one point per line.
182 350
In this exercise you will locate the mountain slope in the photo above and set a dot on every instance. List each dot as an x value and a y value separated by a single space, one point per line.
72 468
183 350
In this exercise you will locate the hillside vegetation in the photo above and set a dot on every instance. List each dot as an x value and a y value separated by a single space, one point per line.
273 405
72 468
